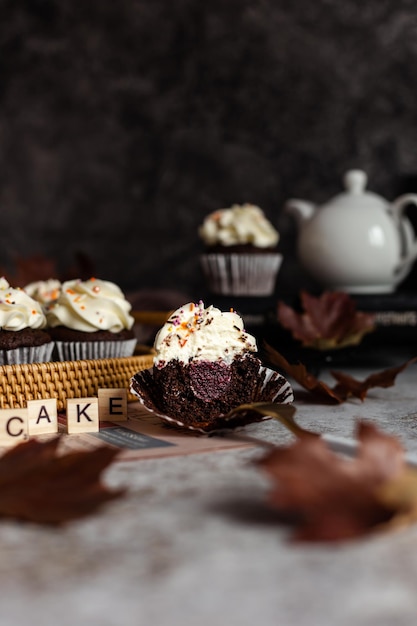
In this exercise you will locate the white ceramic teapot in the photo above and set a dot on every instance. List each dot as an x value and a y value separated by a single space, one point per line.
357 242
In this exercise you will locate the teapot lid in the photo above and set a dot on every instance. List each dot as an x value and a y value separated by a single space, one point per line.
356 194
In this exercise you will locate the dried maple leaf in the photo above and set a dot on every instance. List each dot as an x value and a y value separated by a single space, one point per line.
328 322
283 413
39 485
40 267
299 373
347 386
36 267
329 497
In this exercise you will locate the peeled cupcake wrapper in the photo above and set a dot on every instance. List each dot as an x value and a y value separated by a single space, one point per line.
79 350
30 354
242 274
274 388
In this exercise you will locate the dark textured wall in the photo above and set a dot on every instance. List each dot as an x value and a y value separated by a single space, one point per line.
123 123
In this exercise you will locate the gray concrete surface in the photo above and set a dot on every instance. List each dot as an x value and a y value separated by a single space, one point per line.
191 544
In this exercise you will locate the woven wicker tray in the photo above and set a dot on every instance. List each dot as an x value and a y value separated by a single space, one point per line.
66 379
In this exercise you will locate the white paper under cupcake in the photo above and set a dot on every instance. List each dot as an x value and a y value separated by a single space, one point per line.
241 274
30 354
80 350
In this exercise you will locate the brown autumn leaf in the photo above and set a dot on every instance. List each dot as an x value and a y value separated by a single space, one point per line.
329 321
38 484
347 386
300 374
40 267
29 269
331 498
283 413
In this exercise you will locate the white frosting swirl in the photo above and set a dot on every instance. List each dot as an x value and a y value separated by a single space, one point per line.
237 225
18 310
90 306
44 291
195 333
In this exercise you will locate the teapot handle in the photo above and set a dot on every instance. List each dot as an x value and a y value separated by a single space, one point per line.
397 209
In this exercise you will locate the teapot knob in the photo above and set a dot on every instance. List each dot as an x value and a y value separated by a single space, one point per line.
355 181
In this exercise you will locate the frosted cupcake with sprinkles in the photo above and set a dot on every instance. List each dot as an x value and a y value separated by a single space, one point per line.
23 335
91 320
241 257
44 291
205 365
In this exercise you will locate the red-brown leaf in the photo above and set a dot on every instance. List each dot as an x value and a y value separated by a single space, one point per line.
299 373
346 387
40 485
329 497
349 386
41 267
327 322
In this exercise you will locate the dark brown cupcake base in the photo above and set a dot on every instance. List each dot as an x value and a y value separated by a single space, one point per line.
61 333
28 337
170 393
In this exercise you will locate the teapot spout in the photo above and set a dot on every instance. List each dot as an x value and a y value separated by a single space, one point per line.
300 209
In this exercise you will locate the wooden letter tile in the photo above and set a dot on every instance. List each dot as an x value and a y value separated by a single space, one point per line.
13 426
112 404
82 415
42 416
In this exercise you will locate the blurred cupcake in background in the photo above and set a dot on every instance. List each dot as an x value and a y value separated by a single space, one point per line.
91 320
241 257
23 335
44 291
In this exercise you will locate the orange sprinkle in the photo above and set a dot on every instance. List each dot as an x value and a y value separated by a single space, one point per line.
82 307
70 291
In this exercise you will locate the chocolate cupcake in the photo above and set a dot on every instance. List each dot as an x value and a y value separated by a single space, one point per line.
241 257
91 320
23 338
44 291
205 365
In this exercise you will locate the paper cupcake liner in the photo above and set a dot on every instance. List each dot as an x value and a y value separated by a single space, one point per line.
241 274
30 354
80 350
274 388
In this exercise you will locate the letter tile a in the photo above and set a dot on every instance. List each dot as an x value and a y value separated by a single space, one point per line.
42 416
